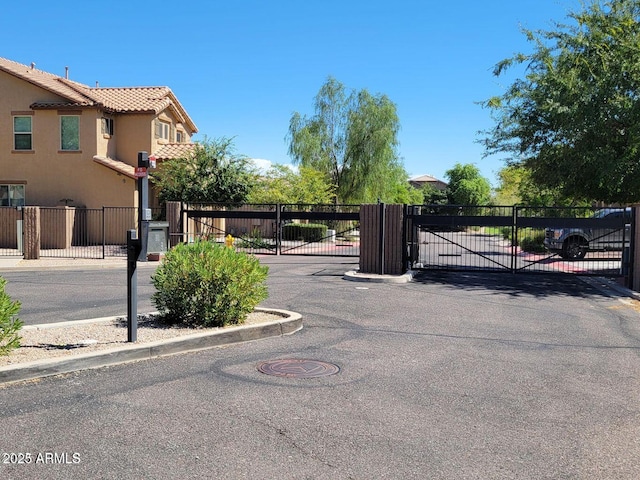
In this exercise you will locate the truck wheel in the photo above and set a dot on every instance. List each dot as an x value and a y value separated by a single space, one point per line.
574 248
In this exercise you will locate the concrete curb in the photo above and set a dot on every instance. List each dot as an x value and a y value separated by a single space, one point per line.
356 276
291 323
602 283
40 267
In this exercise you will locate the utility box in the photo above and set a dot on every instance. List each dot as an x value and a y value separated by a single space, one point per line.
158 237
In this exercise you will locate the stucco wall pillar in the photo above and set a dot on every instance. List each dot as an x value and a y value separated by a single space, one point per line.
31 228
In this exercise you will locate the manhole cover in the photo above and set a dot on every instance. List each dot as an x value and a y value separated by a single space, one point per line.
298 368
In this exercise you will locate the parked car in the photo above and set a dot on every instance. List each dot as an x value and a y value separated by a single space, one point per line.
602 234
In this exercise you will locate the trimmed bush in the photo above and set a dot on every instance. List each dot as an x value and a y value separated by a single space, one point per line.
533 242
209 285
307 232
10 325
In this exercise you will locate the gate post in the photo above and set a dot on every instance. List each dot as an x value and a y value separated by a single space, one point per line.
381 247
174 217
634 257
278 229
31 226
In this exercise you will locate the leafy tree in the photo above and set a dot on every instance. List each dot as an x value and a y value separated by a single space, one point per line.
467 186
212 173
433 196
574 118
405 194
517 187
281 184
352 138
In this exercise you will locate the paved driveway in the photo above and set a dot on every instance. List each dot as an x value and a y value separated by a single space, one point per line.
453 376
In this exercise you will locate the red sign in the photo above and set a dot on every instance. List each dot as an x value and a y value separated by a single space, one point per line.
140 172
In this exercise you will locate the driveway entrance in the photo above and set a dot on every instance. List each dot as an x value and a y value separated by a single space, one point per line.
581 241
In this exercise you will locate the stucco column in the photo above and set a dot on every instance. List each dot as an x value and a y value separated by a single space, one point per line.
31 227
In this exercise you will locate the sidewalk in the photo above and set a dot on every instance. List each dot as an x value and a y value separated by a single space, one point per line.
53 263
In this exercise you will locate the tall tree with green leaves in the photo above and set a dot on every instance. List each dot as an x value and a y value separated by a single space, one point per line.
467 186
516 187
573 119
213 173
281 184
352 138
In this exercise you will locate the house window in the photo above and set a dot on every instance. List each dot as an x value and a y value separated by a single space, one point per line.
22 134
11 195
107 126
69 132
179 137
162 130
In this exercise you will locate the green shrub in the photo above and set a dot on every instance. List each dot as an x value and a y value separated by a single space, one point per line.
308 232
533 242
9 323
207 284
255 241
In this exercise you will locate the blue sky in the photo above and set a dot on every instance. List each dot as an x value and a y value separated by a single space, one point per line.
241 68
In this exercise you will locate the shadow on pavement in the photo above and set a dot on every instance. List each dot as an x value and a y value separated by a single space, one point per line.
536 285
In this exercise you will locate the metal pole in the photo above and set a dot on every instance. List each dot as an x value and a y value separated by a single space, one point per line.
104 240
382 227
144 213
278 229
514 237
630 266
132 286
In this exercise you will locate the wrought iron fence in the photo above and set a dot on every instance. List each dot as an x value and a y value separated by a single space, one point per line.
71 232
585 241
268 229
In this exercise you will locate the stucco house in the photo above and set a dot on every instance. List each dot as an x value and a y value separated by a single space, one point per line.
421 180
66 143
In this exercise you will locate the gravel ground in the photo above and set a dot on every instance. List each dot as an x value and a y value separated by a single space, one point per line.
46 343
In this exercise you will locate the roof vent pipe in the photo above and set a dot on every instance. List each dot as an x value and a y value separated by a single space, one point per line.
66 73
33 65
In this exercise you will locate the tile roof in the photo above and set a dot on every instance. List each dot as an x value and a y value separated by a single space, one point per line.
138 99
424 178
116 165
169 151
48 81
117 100
174 150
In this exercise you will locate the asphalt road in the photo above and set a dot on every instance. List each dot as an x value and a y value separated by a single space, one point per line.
453 376
61 295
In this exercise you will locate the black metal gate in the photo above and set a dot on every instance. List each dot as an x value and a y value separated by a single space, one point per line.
278 229
583 241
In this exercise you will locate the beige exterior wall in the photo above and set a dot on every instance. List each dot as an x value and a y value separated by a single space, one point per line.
56 178
133 133
50 175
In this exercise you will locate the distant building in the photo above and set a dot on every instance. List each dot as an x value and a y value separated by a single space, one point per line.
420 181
